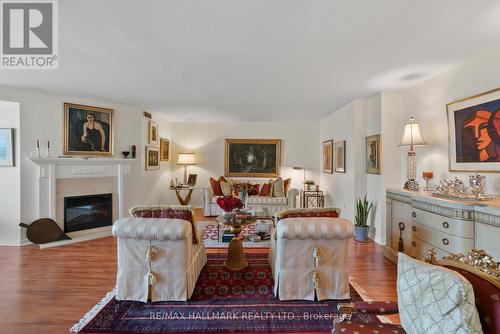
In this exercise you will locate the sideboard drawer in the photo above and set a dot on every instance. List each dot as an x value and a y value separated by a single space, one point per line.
456 227
445 241
420 249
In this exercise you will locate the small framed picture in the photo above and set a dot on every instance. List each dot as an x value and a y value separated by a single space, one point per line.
328 157
7 147
153 133
340 156
192 180
373 154
164 149
152 158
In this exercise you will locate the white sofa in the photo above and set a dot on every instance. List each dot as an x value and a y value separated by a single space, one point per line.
267 204
157 254
308 257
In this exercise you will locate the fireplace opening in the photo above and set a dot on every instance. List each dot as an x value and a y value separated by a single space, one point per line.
86 212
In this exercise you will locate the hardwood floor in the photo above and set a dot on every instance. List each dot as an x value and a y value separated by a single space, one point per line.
47 291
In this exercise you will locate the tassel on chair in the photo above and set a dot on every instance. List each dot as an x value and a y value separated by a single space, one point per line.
152 279
150 252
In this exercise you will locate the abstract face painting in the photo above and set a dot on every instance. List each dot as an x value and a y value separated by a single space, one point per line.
474 126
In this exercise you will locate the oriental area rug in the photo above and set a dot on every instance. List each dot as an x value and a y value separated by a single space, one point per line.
223 302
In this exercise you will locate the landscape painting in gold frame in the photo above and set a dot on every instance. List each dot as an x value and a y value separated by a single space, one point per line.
252 157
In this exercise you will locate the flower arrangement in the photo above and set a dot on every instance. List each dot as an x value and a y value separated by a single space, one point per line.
229 203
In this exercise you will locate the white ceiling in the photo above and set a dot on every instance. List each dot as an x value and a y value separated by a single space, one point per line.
257 60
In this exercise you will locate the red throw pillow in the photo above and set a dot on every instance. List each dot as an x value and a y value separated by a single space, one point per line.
253 189
307 214
216 185
266 189
286 184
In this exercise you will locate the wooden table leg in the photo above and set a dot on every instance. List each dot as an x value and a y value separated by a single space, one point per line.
187 199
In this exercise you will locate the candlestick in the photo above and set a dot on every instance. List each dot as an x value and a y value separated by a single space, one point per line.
37 144
48 143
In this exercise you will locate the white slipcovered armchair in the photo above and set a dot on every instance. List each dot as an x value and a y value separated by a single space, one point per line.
308 256
158 255
268 204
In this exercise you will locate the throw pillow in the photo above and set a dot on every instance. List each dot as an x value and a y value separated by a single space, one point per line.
278 188
226 188
216 185
253 189
433 299
266 189
286 185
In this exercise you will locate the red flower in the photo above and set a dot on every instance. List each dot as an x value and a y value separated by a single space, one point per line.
229 203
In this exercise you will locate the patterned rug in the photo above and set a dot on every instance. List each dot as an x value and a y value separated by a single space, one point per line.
222 302
211 236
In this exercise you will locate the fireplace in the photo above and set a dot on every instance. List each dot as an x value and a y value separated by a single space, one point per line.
86 212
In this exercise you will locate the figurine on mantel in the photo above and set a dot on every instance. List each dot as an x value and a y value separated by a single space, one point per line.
458 189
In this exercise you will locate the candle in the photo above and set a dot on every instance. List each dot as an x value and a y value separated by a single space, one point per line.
428 175
37 144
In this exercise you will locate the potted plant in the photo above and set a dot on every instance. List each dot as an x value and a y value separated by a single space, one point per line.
361 227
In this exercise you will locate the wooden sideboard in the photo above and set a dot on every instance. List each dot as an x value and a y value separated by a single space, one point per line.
448 226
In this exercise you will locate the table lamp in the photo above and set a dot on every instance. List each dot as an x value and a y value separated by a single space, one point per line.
186 159
412 138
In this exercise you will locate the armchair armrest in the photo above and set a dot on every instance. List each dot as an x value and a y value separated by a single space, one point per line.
291 196
369 307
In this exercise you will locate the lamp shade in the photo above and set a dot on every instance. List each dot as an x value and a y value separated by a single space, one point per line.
412 135
186 159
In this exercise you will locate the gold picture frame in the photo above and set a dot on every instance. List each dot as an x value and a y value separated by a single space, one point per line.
152 133
88 130
152 158
164 149
373 154
473 132
252 157
328 156
339 152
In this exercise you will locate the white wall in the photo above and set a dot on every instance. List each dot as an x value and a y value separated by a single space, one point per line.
342 189
427 103
373 181
41 117
10 180
206 140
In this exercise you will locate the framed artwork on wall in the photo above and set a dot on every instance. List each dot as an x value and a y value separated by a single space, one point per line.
474 133
340 156
328 157
252 157
7 151
88 130
152 158
373 154
192 179
152 133
164 149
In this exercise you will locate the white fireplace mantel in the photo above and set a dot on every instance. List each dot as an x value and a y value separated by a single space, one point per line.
51 169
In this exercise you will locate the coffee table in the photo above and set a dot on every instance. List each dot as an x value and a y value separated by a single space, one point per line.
235 256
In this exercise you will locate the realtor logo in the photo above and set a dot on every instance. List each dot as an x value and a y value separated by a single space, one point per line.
29 34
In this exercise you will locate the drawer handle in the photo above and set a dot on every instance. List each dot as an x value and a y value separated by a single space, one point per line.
413 214
414 228
446 225
446 241
401 226
413 243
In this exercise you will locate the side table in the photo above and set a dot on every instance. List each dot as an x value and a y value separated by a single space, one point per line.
178 192
313 199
